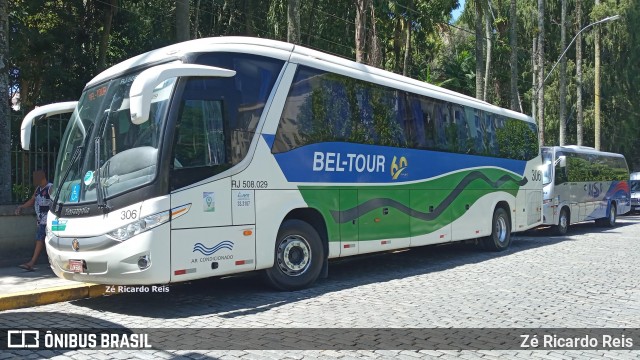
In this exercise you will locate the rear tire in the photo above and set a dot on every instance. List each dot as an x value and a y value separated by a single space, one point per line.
298 256
500 237
610 220
563 222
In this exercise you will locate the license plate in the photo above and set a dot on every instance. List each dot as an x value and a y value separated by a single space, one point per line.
76 266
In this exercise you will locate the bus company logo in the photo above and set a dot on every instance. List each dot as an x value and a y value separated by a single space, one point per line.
75 245
207 251
398 166
348 162
594 190
77 211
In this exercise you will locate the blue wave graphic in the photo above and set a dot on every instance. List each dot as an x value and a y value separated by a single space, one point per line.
212 250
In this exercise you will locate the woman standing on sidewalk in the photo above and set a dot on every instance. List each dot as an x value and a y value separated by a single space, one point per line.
41 201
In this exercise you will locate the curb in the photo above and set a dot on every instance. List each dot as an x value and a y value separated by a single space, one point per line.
50 295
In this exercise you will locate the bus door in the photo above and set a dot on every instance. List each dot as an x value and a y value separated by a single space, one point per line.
204 241
565 190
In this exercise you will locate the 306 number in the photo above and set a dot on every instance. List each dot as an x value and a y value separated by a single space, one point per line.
536 175
128 214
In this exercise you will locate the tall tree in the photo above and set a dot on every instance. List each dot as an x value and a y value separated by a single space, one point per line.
375 51
182 20
488 33
360 29
479 50
110 10
293 21
513 60
563 74
5 111
596 81
407 46
540 80
579 121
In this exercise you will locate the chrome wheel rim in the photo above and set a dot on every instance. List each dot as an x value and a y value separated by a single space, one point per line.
501 229
563 220
294 255
612 215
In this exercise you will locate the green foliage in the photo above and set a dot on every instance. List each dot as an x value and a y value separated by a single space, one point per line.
22 192
55 45
517 140
580 169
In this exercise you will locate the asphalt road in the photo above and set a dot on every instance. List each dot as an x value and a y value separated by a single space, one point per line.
588 279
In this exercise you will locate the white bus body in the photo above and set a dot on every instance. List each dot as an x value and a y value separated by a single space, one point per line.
582 184
225 155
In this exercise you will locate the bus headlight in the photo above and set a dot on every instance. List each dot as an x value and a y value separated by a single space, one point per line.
139 226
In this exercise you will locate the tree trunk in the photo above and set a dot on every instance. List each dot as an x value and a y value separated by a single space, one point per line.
541 71
293 22
196 21
312 16
579 73
513 42
534 73
106 33
5 111
360 24
596 81
397 45
488 35
182 20
407 46
563 75
479 52
375 52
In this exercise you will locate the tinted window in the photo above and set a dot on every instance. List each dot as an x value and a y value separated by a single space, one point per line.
218 116
596 167
326 107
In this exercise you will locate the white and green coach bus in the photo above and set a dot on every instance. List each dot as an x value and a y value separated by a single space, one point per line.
582 184
225 155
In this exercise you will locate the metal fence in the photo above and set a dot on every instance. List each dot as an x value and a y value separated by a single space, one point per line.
45 142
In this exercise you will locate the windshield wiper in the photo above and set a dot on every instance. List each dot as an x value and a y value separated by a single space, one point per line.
74 159
102 204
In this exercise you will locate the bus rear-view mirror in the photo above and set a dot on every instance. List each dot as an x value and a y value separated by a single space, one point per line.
142 90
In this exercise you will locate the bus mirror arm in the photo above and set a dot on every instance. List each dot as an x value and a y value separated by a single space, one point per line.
561 161
39 113
141 92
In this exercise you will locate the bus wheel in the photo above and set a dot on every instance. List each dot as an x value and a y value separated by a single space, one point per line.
563 222
500 237
298 256
610 220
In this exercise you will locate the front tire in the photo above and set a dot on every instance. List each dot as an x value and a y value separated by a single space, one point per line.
500 237
298 256
563 222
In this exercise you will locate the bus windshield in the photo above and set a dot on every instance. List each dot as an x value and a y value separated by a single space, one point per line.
547 160
127 152
635 185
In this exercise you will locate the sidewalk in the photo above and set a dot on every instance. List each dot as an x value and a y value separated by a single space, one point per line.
20 288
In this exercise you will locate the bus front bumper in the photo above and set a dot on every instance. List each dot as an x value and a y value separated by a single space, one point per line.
141 260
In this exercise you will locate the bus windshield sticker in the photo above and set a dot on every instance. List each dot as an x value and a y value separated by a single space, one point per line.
88 177
75 193
208 202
